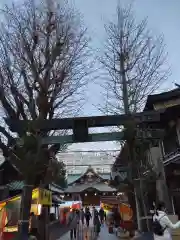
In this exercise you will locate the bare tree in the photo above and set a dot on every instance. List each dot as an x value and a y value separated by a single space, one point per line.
135 63
43 69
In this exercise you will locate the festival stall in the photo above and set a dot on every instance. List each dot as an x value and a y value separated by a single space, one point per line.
126 216
108 207
125 211
66 208
10 210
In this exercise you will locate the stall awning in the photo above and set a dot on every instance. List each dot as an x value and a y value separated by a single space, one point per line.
57 200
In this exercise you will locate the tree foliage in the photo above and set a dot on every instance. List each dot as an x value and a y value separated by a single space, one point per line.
60 178
43 68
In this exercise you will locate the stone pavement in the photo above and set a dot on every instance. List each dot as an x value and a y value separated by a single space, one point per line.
57 230
146 236
105 235
85 233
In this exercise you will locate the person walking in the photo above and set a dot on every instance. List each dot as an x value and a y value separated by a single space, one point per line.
87 216
41 226
162 225
78 215
101 215
93 211
82 215
117 217
33 225
96 222
73 223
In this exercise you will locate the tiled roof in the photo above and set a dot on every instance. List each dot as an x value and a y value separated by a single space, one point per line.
101 187
106 176
73 177
55 188
16 185
164 96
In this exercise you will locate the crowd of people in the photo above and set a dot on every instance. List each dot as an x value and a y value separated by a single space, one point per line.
83 217
77 217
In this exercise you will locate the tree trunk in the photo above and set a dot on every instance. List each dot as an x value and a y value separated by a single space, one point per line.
23 224
132 202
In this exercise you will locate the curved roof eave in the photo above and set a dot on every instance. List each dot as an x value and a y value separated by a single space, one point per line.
101 187
88 169
164 96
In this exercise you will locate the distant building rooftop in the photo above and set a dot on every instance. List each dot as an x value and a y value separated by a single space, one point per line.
73 177
76 162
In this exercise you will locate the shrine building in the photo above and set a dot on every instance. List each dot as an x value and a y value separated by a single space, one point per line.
89 188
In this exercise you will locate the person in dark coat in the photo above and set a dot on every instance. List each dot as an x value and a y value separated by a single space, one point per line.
101 215
96 222
73 222
34 224
87 217
117 217
82 215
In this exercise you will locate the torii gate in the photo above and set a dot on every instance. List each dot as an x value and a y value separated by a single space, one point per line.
81 125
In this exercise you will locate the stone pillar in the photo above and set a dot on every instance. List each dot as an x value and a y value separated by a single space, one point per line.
161 185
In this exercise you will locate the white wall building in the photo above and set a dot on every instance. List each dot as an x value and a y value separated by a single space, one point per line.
77 162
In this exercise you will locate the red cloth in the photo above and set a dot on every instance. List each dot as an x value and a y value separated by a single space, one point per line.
64 218
8 236
127 225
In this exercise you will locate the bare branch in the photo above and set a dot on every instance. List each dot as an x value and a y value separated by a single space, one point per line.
136 66
143 58
44 67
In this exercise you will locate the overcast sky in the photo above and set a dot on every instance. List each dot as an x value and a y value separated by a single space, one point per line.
163 17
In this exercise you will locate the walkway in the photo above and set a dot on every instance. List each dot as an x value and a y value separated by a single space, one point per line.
56 230
85 233
104 234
